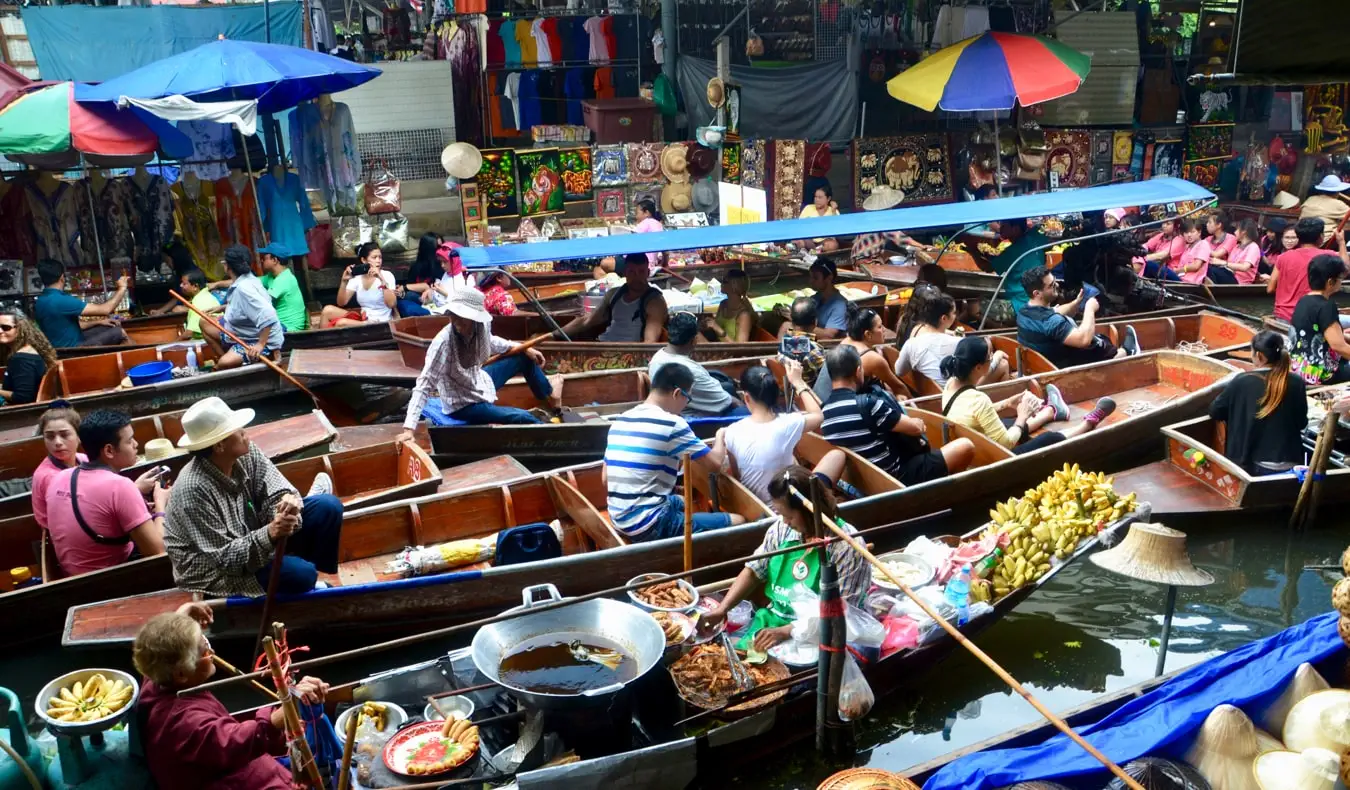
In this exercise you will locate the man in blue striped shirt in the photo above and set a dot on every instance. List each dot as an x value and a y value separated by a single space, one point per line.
643 459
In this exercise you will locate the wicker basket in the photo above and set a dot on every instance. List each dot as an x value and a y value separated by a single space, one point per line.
867 779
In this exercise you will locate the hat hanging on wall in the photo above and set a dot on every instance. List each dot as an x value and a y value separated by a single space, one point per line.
677 198
675 163
702 161
705 196
710 136
717 93
461 160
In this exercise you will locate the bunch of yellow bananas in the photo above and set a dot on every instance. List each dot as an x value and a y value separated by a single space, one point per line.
97 698
1051 520
377 712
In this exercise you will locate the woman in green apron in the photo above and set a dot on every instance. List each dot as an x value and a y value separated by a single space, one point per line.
772 582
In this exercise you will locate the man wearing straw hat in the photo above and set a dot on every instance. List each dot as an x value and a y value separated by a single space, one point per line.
230 506
455 369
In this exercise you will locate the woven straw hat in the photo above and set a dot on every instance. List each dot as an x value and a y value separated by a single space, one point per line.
461 160
675 163
1314 769
677 198
1320 721
716 93
867 779
1153 553
882 198
157 449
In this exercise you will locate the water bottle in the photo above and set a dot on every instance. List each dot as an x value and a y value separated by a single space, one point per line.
192 360
958 594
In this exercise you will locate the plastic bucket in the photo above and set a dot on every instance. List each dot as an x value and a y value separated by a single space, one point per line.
151 373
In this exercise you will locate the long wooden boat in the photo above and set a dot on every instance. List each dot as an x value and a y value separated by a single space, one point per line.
100 381
703 270
364 476
364 594
279 440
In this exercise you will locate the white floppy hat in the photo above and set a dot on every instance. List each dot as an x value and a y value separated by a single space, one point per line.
468 303
1332 183
209 422
1284 200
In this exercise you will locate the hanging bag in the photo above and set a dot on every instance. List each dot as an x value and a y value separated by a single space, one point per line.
383 192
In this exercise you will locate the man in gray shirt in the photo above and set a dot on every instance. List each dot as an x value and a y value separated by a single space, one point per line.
707 397
249 315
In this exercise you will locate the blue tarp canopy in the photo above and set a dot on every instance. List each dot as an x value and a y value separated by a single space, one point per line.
1163 722
1145 193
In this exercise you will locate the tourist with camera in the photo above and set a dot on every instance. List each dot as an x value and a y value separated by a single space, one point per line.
370 285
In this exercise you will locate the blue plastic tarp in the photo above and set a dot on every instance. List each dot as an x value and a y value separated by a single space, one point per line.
1144 193
1162 722
92 44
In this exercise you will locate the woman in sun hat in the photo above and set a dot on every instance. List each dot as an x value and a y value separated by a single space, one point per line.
455 370
1328 203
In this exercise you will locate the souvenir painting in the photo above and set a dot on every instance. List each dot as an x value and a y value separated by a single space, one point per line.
1122 145
1070 156
539 172
611 204
644 162
609 166
789 163
640 192
1101 147
1167 159
1121 173
754 164
918 165
1210 141
497 183
1324 117
731 163
576 174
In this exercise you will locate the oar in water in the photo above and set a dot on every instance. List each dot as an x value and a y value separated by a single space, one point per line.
837 527
1310 493
339 412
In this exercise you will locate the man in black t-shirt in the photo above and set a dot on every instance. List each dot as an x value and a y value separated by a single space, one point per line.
1048 330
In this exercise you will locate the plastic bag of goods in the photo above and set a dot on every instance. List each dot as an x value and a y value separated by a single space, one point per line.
864 630
805 615
424 560
855 696
901 633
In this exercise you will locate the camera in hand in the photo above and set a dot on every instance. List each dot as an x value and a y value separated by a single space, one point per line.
360 269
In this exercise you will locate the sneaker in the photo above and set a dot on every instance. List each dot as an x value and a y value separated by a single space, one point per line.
1104 409
1055 399
1131 342
323 484
320 584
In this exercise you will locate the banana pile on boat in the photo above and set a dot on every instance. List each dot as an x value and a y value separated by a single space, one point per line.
1049 521
89 701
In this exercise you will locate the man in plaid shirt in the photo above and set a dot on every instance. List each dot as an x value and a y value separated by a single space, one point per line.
230 505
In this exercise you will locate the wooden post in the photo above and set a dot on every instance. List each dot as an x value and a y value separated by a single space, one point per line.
301 756
833 639
345 777
688 512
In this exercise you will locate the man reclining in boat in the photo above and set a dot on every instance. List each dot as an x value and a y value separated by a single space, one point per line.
642 459
871 423
1047 329
635 312
467 388
230 506
249 315
782 575
96 517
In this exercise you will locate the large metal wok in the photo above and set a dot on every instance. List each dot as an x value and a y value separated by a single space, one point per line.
622 624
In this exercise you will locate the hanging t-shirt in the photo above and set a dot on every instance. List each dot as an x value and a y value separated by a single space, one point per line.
531 109
543 54
493 45
626 81
604 83
529 51
581 40
512 94
510 46
552 109
607 30
599 50
555 42
626 46
574 87
659 47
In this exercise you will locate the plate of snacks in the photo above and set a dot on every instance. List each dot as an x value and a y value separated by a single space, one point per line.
703 679
431 748
87 700
911 569
675 627
664 594
373 718
703 633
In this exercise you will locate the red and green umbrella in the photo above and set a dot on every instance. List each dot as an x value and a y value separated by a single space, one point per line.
48 120
992 71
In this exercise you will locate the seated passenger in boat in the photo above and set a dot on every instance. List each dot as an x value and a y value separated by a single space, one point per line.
1289 279
1318 348
797 339
645 449
1245 259
57 426
1327 203
96 517
194 286
761 445
230 506
866 334
283 288
249 315
965 405
1162 258
822 205
455 371
58 313
192 740
1021 240
771 581
424 272
871 423
931 342
832 308
1196 256
735 318
1265 411
707 396
635 312
25 355
373 289
1048 329
496 298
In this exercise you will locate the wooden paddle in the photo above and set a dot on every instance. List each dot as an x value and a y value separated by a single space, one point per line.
1309 494
340 413
528 344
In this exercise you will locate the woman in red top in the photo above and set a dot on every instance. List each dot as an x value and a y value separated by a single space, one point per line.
192 741
496 298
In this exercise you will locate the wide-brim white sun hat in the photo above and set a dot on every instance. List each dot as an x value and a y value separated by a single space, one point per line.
211 421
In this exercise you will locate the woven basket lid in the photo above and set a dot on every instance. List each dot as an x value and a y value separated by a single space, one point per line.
1153 553
867 779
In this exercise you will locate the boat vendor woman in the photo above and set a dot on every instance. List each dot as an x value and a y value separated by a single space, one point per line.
1265 411
635 312
192 740
735 318
782 574
370 285
467 388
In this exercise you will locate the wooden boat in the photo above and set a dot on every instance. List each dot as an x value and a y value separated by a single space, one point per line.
703 270
100 381
144 331
363 594
361 477
859 473
278 440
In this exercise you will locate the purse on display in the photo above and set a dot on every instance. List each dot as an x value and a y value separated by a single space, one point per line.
390 231
383 191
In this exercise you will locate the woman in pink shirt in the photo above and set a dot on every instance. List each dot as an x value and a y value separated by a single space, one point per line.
58 427
1195 258
1221 243
1245 259
1163 258
649 221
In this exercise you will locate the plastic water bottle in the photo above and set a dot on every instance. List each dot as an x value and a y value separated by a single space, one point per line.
192 360
958 594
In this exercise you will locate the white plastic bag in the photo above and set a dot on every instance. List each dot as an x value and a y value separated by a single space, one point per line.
855 696
805 615
863 629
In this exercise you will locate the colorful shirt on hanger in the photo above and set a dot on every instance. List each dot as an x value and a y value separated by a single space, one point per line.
555 42
325 153
115 212
152 217
285 211
465 68
543 52
604 83
195 223
531 108
599 50
529 51
496 50
237 213
607 31
625 30
211 141
510 46
56 224
575 88
512 93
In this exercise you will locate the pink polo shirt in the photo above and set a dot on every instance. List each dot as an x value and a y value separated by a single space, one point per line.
112 506
42 479
1248 253
1200 251
1226 246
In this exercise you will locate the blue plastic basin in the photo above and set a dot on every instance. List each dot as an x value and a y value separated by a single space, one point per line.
151 372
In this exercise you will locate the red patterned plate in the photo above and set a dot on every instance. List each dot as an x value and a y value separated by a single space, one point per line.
423 744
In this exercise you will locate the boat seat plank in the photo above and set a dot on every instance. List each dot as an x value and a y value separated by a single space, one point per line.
1171 490
355 437
1156 395
113 619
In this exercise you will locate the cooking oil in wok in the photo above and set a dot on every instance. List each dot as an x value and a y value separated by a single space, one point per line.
556 664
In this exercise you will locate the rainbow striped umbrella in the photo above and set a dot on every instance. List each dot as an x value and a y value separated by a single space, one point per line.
992 71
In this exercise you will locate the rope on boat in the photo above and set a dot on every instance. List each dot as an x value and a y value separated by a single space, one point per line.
1137 407
1199 347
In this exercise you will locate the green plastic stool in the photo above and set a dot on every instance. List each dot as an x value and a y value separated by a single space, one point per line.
14 733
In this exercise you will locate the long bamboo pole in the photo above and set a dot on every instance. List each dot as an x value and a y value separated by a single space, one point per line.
688 512
293 723
1316 470
345 777
232 669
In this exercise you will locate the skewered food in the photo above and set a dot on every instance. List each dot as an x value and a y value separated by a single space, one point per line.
458 742
89 701
667 595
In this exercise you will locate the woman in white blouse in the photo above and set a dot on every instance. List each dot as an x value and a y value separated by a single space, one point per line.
370 285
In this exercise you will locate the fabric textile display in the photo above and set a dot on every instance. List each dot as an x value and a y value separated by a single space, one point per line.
789 163
285 211
16 235
611 204
153 219
539 173
644 162
1324 113
918 165
1206 174
114 221
56 222
609 166
465 54
212 142
323 148
754 163
497 183
192 216
1070 155
576 174
236 212
1122 144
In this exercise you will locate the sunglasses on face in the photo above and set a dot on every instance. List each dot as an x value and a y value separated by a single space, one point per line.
682 393
7 327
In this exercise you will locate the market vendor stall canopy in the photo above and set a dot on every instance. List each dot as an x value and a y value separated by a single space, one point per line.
46 127
277 76
1144 193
